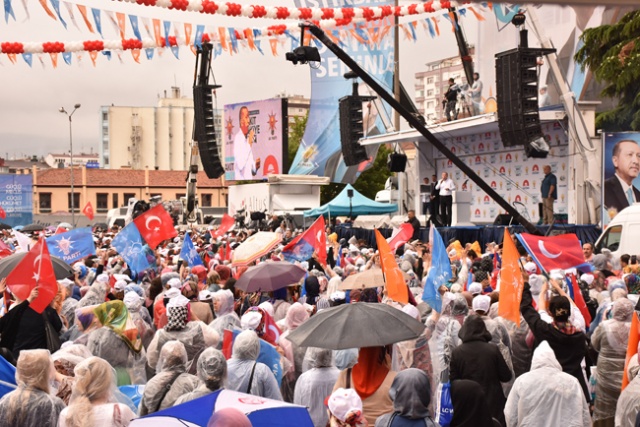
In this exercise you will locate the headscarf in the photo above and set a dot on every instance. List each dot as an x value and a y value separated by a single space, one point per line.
212 368
201 272
370 371
470 407
224 272
176 318
622 309
115 316
228 417
411 393
86 319
262 323
225 302
312 287
296 316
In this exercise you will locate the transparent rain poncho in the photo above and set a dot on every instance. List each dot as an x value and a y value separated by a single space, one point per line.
520 350
94 399
171 374
95 295
295 317
246 349
610 341
628 404
226 318
546 395
195 337
140 317
31 405
316 384
212 373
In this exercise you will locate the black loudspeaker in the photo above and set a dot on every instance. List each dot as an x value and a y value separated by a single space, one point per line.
351 130
205 131
505 219
517 95
397 162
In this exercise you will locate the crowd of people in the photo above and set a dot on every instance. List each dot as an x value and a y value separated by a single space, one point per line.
184 332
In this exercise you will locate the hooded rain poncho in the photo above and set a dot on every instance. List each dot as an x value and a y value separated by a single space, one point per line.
546 393
212 373
316 384
226 318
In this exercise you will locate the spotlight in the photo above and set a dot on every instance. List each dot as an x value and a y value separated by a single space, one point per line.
303 55
519 19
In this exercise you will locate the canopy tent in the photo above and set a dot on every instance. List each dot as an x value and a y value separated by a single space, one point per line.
358 205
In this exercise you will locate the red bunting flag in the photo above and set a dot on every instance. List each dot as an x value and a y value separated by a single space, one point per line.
155 226
88 211
402 236
511 281
3 213
35 269
393 278
225 225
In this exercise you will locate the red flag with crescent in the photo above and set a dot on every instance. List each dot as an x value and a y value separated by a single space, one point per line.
563 251
35 269
88 211
155 226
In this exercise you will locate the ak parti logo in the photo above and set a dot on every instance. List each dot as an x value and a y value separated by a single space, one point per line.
229 127
272 123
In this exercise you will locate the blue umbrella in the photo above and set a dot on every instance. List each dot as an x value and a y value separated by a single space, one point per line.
261 412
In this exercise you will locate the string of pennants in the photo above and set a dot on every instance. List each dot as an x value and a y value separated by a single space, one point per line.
172 35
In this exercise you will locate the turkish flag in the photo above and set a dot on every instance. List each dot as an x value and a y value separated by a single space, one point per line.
5 250
401 237
3 213
88 211
35 269
155 226
393 278
225 225
576 296
563 251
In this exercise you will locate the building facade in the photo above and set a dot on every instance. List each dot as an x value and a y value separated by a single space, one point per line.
150 137
63 160
111 188
431 85
297 107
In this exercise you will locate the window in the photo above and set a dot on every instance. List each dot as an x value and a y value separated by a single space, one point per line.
45 202
430 104
178 195
430 92
430 80
206 200
611 239
105 116
128 196
114 200
102 202
73 203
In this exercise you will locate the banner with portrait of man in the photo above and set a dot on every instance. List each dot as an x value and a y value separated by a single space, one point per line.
620 184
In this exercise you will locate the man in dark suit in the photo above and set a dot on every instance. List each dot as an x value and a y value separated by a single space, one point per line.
434 206
619 191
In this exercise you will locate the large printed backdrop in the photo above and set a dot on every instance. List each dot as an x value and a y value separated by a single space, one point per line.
514 176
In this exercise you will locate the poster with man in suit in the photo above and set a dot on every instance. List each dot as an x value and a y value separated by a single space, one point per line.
621 170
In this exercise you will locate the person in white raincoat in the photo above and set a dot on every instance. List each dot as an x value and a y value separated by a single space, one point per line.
546 395
628 404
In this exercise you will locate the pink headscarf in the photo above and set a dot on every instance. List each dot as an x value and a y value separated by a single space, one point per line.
296 316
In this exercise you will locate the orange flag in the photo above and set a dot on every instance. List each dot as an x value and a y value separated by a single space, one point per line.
632 347
394 281
511 282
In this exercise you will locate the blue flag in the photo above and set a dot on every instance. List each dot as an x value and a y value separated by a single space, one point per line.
132 248
189 253
439 274
135 26
72 245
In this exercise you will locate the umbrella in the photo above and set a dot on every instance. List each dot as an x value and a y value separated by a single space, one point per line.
371 278
255 247
356 325
32 228
270 276
60 268
261 412
4 226
100 226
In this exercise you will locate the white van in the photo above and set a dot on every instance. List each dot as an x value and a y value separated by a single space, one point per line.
622 235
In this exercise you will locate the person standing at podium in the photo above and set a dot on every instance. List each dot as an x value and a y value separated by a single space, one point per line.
445 188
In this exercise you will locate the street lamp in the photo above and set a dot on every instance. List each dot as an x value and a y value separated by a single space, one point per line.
62 110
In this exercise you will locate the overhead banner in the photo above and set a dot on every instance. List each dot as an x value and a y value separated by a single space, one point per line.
256 139
621 166
320 150
16 198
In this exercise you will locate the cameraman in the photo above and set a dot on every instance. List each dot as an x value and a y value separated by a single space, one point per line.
451 96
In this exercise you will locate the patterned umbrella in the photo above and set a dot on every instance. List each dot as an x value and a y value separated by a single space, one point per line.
255 247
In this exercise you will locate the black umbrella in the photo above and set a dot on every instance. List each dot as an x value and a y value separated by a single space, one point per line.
100 226
356 325
4 226
32 227
60 268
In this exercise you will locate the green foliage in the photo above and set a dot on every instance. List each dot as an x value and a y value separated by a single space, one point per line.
372 180
329 192
612 53
296 132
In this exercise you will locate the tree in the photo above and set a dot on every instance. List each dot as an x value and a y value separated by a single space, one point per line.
612 53
296 132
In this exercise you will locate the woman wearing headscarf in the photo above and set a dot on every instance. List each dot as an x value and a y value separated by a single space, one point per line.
296 316
628 406
470 407
413 353
118 342
568 343
312 289
245 374
145 327
31 405
411 396
371 377
226 318
478 360
201 310
316 384
64 361
546 395
93 402
610 341
212 372
195 336
170 382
